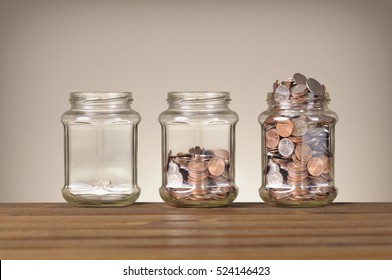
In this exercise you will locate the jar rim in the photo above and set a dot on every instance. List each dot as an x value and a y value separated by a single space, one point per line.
100 96
198 96
323 98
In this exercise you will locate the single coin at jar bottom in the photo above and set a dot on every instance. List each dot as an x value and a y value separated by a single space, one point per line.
275 179
175 179
272 138
216 166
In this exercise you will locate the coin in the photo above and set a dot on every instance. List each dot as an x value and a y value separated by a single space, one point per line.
282 93
216 166
298 90
315 87
299 79
222 153
284 128
287 84
200 191
173 167
315 166
271 138
275 85
325 160
274 179
277 194
303 152
273 167
175 179
197 165
286 147
300 126
298 191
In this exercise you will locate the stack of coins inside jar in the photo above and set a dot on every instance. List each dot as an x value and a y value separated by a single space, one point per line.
298 146
199 174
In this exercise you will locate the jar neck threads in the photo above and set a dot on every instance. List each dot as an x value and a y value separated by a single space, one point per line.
198 100
309 102
100 100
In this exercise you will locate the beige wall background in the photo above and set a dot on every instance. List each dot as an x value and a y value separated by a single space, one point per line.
50 48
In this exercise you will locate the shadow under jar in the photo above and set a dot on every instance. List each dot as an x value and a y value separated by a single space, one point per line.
198 150
100 135
298 132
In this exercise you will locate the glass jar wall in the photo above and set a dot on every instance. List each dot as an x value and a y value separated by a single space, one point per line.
298 140
100 135
198 150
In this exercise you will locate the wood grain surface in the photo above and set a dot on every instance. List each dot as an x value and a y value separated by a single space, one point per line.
159 231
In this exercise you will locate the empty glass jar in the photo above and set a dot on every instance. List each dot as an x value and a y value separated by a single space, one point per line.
298 133
198 150
100 135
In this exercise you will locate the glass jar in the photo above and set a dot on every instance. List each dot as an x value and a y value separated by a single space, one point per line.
298 132
198 150
100 135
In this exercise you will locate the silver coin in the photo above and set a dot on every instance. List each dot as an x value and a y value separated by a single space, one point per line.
299 79
315 87
173 167
286 147
273 167
282 93
274 179
175 179
300 126
299 89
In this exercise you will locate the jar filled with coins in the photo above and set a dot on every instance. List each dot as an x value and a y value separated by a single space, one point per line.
100 133
298 142
198 137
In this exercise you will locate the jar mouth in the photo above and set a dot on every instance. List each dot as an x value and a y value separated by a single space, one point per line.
198 96
297 103
100 97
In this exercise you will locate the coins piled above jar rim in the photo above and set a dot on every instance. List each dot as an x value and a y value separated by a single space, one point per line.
298 91
297 147
205 174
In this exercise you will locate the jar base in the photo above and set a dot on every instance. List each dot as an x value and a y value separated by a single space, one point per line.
202 202
100 200
305 201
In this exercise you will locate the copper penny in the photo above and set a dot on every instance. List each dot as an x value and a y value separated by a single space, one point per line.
216 166
222 153
284 128
272 138
325 160
315 166
298 191
197 166
303 152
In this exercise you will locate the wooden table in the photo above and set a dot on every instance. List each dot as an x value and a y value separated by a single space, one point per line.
158 231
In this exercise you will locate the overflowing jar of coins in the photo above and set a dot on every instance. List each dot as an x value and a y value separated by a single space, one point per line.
298 143
100 133
198 137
